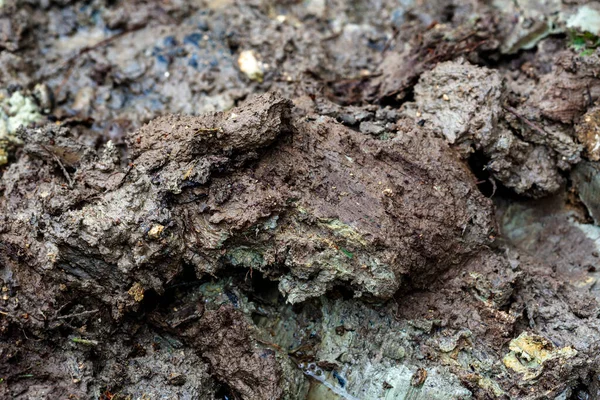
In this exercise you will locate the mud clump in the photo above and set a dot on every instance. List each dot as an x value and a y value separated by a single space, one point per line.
223 337
298 200
320 206
307 202
471 30
268 189
468 106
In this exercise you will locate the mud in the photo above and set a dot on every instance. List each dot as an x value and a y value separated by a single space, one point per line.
299 200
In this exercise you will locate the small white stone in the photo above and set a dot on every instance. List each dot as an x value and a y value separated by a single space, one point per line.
250 66
156 231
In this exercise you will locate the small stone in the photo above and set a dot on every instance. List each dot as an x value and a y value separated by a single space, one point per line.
44 97
137 292
363 115
156 231
250 66
176 379
371 128
419 378
347 119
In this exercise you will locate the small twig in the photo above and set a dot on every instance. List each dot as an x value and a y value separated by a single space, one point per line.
85 341
248 272
332 36
68 303
388 42
494 187
527 122
218 129
122 181
274 345
20 374
81 314
13 316
62 167
8 314
65 79
455 52
397 316
64 170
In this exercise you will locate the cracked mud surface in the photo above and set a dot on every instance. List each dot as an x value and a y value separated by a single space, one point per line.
299 199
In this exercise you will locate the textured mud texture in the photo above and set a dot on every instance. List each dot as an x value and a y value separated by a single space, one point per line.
299 200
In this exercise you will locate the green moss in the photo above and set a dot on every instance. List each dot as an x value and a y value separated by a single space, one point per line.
346 252
583 42
245 257
342 230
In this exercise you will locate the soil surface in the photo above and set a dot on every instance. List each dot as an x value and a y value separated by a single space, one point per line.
282 199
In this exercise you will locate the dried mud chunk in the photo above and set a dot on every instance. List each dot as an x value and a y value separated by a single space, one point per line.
93 222
321 206
564 94
464 103
223 336
531 170
417 53
250 126
156 365
351 209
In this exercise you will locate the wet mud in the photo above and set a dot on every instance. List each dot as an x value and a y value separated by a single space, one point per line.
299 199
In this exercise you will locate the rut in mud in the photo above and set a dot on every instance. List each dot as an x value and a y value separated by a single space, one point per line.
299 200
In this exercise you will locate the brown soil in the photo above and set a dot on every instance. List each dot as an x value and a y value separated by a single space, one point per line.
391 200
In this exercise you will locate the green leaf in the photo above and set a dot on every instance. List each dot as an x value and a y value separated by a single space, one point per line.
578 43
346 252
587 52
